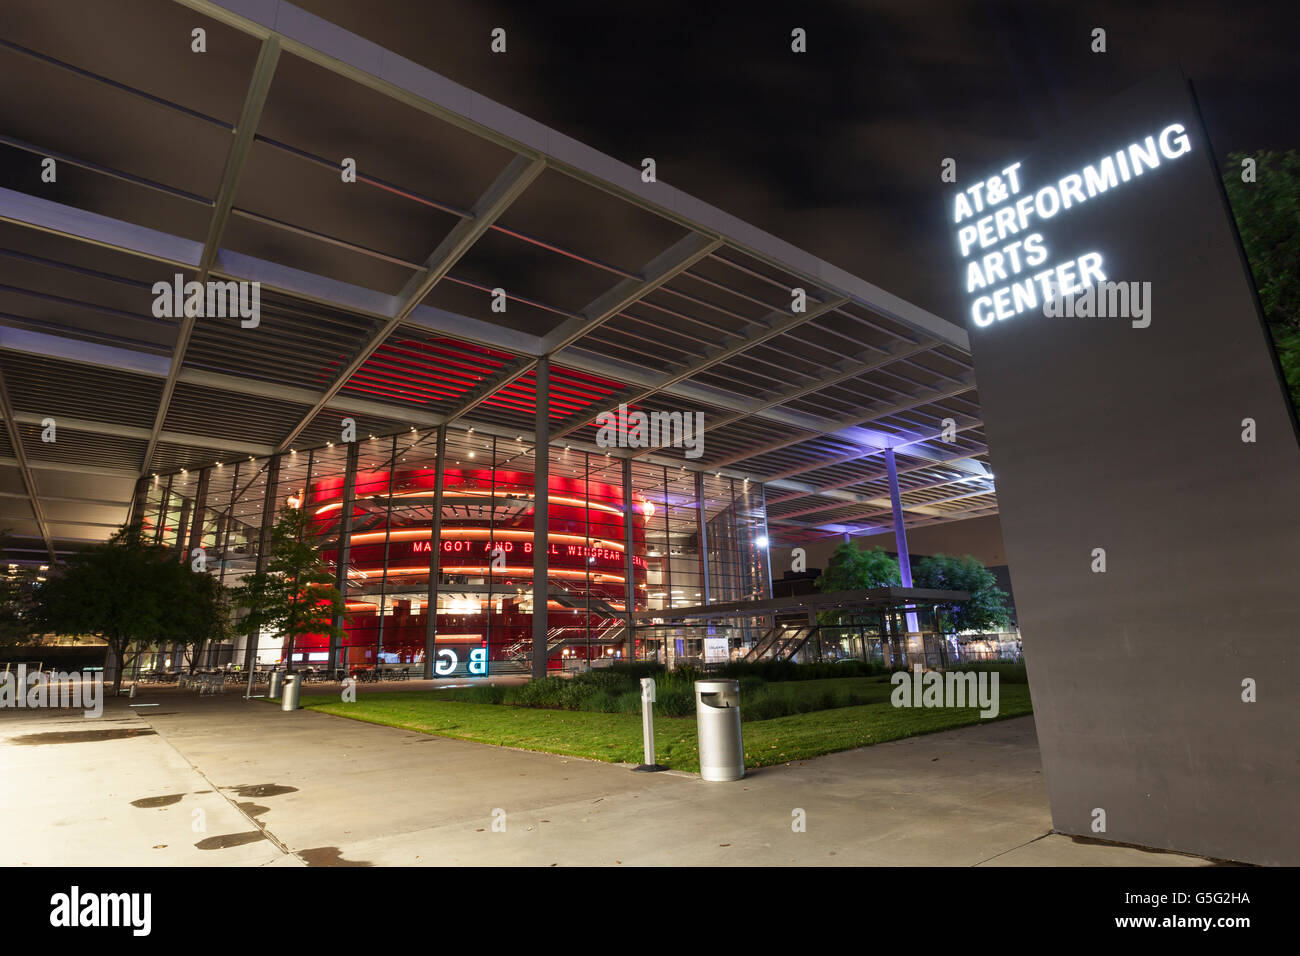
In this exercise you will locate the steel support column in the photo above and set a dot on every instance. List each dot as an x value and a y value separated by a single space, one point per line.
900 532
702 514
492 547
343 552
435 550
629 568
139 502
767 534
541 513
229 524
388 537
164 508
195 537
182 527
668 563
263 543
742 578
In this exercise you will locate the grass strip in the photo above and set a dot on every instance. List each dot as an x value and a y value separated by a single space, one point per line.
617 737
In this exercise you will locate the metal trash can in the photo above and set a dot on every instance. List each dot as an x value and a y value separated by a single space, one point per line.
273 691
292 684
717 717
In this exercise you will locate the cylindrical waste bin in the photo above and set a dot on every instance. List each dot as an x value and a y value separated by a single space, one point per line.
292 683
717 716
273 691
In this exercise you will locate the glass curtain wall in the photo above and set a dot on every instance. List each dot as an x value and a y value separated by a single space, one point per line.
407 539
736 532
705 544
374 506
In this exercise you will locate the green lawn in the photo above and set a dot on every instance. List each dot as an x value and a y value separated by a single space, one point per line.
868 689
617 737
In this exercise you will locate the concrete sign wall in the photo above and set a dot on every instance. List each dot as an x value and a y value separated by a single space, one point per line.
1148 475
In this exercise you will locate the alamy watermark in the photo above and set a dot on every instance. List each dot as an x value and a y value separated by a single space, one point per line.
75 909
1103 300
947 689
208 300
66 689
624 429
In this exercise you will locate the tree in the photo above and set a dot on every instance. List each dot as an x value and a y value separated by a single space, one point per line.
208 616
987 607
294 596
18 587
1267 211
852 569
128 591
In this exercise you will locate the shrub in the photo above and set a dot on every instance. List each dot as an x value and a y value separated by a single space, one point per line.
674 702
763 707
628 702
544 692
637 669
1009 672
767 689
776 671
483 694
601 701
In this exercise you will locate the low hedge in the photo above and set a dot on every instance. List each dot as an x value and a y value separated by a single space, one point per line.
617 690
767 688
775 671
1009 672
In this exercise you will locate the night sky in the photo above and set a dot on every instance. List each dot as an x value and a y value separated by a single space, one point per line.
837 150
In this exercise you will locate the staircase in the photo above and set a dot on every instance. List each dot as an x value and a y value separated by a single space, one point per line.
607 631
781 643
580 602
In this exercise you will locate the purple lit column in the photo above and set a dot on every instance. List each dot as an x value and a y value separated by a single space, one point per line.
900 533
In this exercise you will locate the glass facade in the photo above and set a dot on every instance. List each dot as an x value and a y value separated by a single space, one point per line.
406 530
706 544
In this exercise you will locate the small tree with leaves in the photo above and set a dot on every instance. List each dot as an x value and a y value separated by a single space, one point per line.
128 591
294 596
207 618
1267 210
852 569
19 585
987 607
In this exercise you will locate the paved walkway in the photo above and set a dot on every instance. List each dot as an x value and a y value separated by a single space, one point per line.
223 781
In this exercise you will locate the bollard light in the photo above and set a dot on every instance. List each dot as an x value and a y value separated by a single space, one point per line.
648 726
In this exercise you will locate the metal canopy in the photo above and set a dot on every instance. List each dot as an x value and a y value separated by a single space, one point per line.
377 295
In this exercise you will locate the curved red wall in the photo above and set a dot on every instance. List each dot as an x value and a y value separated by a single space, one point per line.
586 537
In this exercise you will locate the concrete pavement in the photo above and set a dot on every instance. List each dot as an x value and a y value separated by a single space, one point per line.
223 781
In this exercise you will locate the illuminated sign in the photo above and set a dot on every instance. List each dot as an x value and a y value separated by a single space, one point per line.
1000 226
1107 443
597 555
446 662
